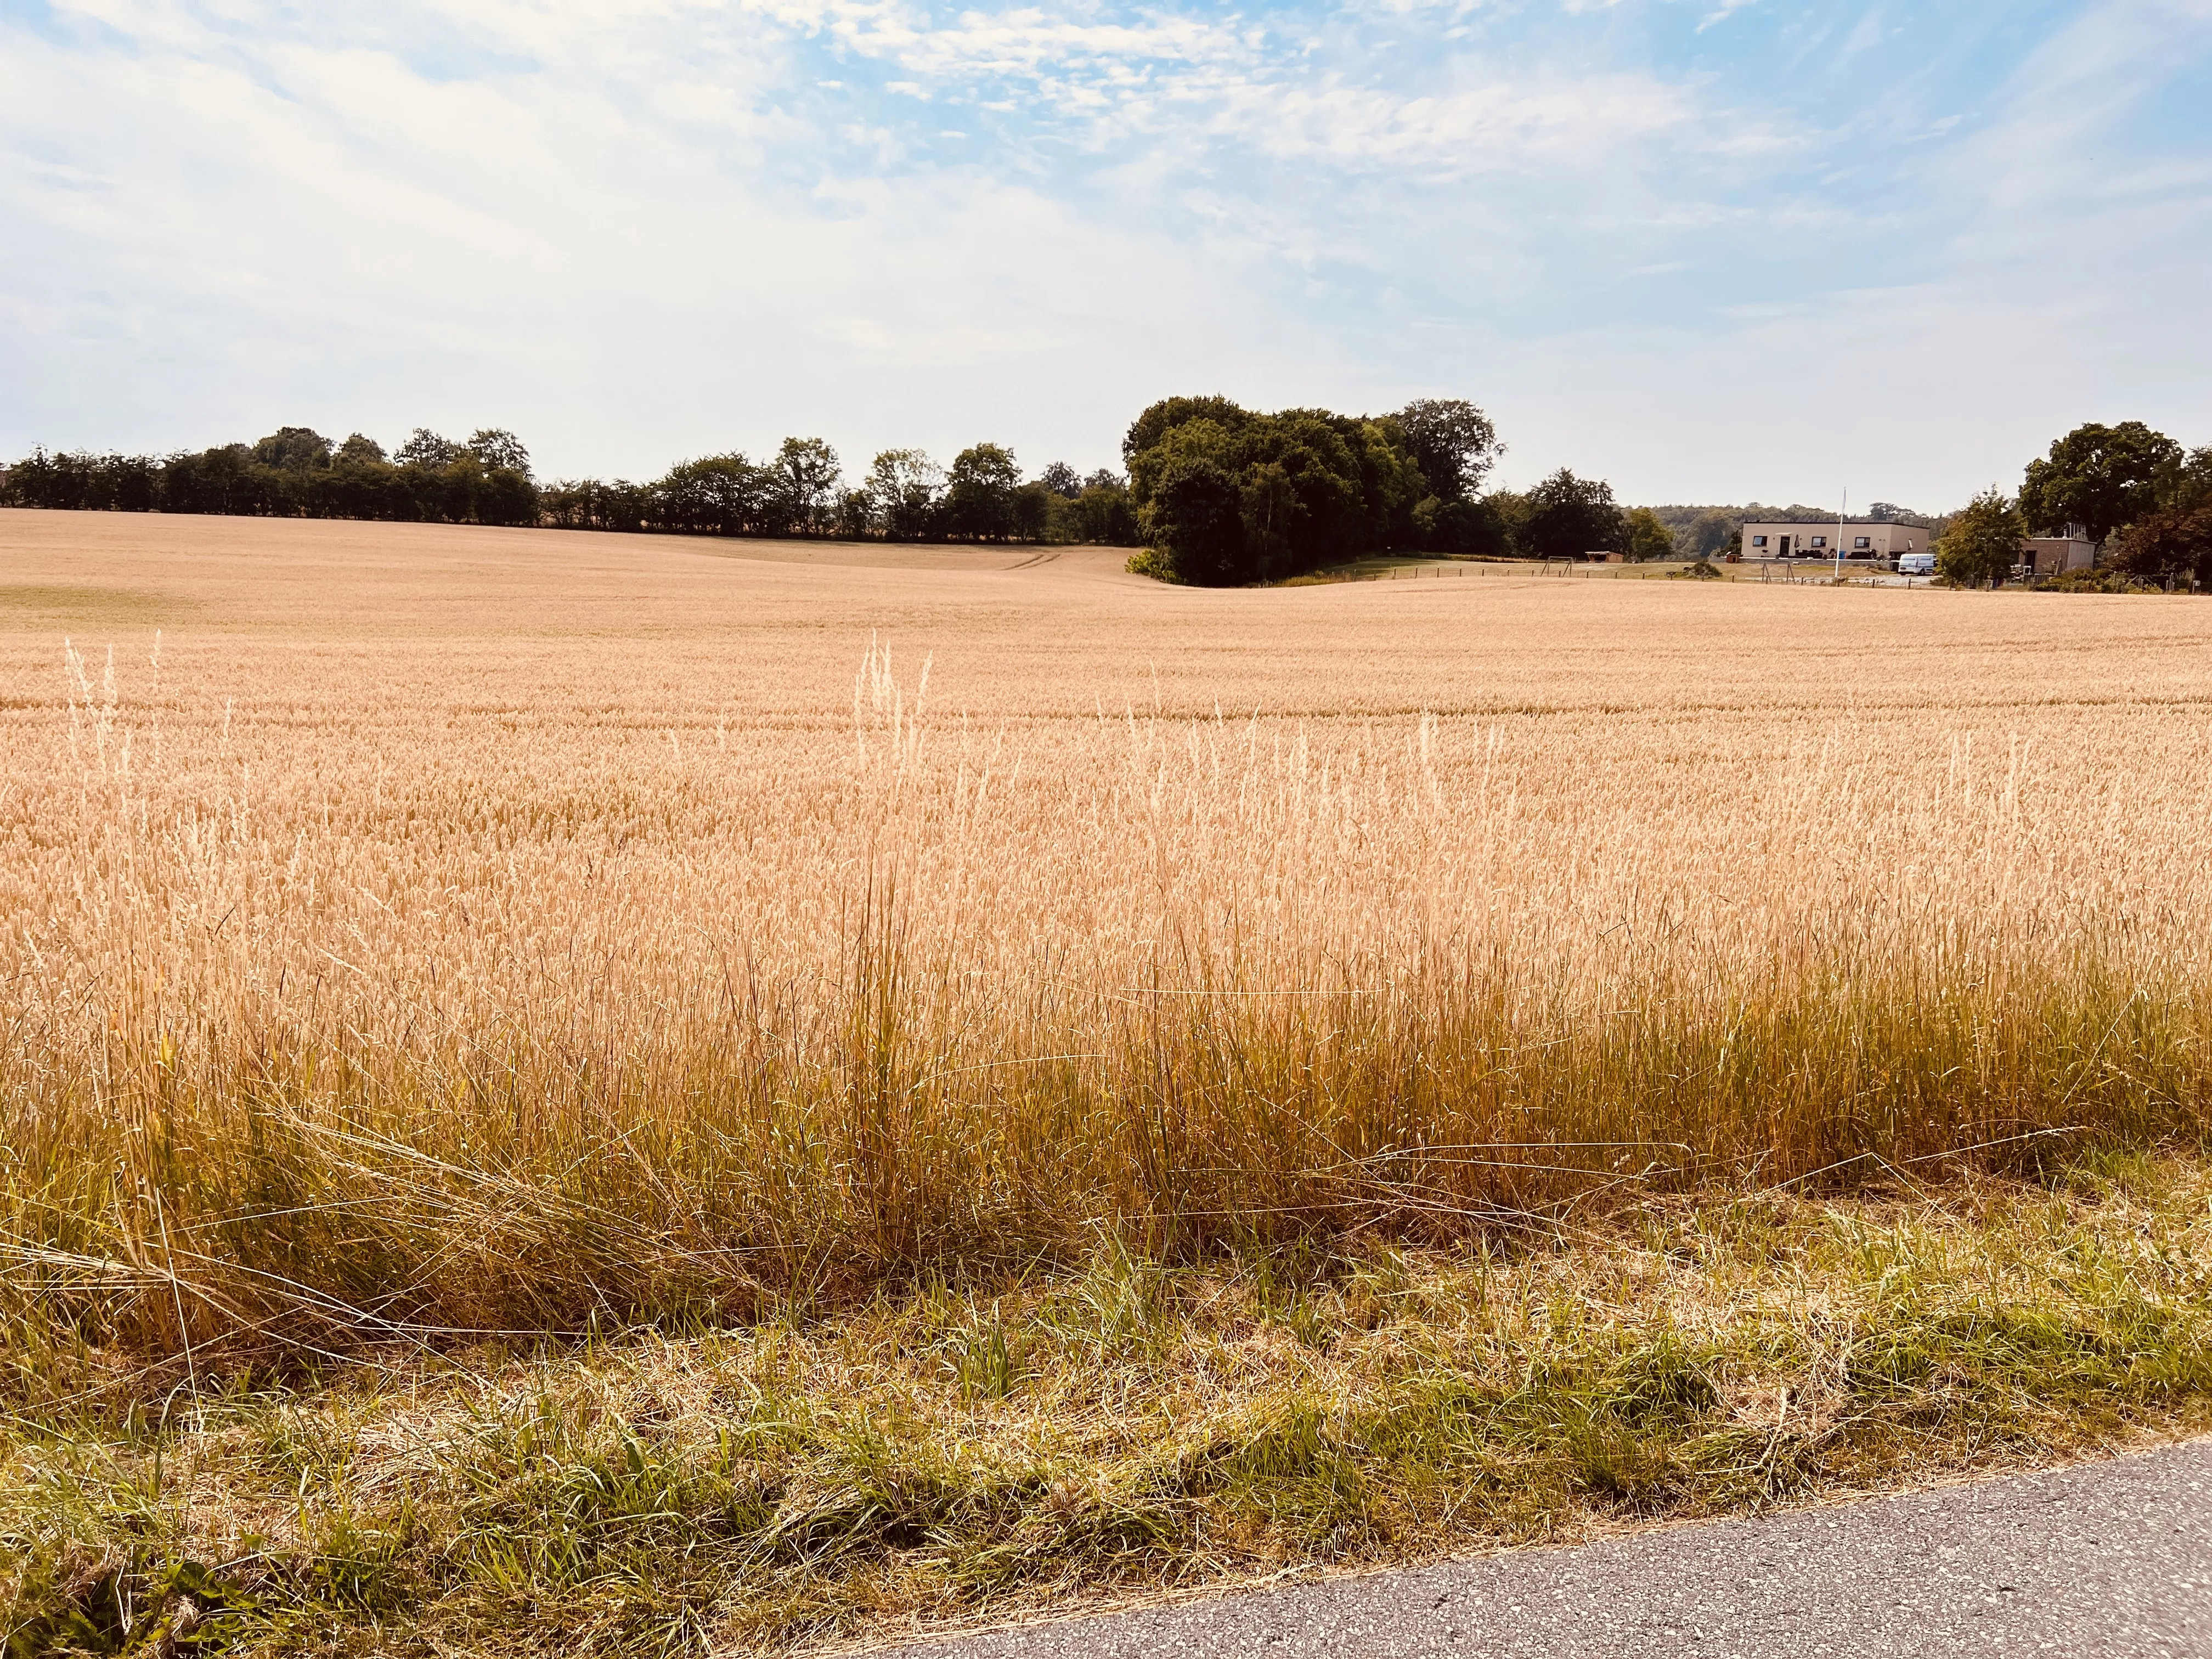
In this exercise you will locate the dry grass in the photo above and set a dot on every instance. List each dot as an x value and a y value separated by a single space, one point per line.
1123 1430
493 930
445 936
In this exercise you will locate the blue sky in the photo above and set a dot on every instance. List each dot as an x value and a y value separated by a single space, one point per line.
1713 250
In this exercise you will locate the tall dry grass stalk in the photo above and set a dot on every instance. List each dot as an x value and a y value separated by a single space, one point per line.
322 1026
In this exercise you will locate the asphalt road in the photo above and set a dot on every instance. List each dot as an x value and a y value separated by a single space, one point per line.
2107 1559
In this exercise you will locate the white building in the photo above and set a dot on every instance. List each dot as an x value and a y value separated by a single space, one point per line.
1876 540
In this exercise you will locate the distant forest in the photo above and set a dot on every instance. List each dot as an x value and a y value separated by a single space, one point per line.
1215 494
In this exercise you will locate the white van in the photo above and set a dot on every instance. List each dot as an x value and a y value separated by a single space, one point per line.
1916 564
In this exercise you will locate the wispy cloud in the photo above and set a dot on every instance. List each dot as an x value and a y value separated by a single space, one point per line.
1721 13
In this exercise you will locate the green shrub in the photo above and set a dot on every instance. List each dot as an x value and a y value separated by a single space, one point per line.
2095 581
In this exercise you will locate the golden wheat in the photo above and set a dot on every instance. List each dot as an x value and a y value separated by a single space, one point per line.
434 929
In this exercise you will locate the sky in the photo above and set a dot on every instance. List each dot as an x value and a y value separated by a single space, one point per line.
1709 249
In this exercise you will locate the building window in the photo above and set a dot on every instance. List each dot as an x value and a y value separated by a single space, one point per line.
1759 541
1819 541
1861 541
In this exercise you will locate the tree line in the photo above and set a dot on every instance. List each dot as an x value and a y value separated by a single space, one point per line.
296 472
904 497
800 490
1215 494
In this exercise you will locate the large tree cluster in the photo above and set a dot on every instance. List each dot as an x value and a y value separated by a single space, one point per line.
1225 495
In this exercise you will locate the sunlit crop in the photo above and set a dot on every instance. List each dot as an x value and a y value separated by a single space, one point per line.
436 931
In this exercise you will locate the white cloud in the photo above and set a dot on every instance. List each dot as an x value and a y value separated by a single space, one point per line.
382 248
637 230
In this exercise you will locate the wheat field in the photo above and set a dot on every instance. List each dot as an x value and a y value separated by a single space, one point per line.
413 931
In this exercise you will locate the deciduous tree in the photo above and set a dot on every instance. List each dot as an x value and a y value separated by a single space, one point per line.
495 447
979 495
2163 544
2174 539
722 495
1566 517
1465 528
1033 505
293 449
1649 539
1453 442
1101 514
1981 541
904 490
803 479
1194 520
424 447
2096 477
